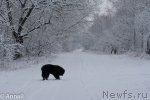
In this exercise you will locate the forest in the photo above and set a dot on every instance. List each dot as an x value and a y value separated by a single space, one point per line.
41 27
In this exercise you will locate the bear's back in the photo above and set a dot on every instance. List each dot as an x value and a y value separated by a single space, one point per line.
53 69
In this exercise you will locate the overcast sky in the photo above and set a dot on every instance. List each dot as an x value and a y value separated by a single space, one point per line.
105 7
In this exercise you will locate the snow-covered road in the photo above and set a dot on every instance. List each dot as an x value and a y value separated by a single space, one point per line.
88 77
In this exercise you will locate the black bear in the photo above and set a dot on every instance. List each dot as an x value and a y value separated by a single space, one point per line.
55 70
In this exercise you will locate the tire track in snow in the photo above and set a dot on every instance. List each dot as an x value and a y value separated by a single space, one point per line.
45 91
83 72
87 71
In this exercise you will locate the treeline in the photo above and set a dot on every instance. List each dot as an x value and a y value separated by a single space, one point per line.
127 28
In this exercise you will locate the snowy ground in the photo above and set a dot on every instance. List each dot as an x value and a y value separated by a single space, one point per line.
88 77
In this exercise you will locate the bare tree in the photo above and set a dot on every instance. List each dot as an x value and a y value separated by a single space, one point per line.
55 17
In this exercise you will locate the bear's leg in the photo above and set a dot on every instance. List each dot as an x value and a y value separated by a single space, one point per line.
46 76
43 78
57 77
43 75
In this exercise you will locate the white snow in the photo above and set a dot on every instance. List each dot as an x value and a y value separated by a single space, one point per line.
87 77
